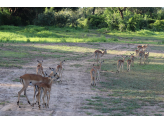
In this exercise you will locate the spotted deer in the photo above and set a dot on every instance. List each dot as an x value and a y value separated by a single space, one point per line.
39 68
120 63
95 73
98 54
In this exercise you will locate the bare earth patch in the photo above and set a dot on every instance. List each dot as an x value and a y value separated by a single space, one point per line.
67 97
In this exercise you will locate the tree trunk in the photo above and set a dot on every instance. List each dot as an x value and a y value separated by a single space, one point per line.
93 11
121 13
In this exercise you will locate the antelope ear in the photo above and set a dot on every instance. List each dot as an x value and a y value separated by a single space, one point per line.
37 60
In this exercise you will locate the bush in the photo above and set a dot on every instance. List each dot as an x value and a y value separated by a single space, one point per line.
159 25
94 22
45 19
136 22
6 19
122 27
51 18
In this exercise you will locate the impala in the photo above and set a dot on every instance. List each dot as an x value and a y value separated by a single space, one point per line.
46 88
30 79
39 68
120 63
59 68
129 61
98 54
146 57
53 72
94 72
132 58
141 55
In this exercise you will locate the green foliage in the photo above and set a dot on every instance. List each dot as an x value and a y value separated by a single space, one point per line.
122 27
159 25
45 19
112 18
145 32
49 18
95 21
6 19
136 22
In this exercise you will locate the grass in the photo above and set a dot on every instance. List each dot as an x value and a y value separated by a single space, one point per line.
130 92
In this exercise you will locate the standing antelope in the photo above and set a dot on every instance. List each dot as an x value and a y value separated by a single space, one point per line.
30 79
129 61
146 57
46 88
132 58
141 55
94 72
39 68
120 63
53 73
98 54
59 68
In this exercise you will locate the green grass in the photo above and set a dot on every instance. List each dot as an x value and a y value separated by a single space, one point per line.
130 91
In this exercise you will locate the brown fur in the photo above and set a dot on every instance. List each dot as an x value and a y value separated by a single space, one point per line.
98 54
141 55
120 63
46 86
146 57
94 72
59 68
26 79
39 69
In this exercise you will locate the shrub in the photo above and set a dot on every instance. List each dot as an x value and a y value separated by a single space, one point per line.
45 19
122 27
95 21
158 25
137 22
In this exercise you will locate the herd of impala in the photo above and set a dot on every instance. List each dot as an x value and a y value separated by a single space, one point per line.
42 84
95 70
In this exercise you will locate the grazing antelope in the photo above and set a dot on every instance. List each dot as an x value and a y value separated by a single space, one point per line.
98 54
146 57
39 68
132 58
120 63
94 72
30 79
46 88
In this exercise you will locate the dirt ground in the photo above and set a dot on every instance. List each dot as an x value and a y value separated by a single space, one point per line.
67 97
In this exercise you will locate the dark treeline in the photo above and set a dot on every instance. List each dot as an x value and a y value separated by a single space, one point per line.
113 18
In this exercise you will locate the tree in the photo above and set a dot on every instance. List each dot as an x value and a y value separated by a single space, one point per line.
121 11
